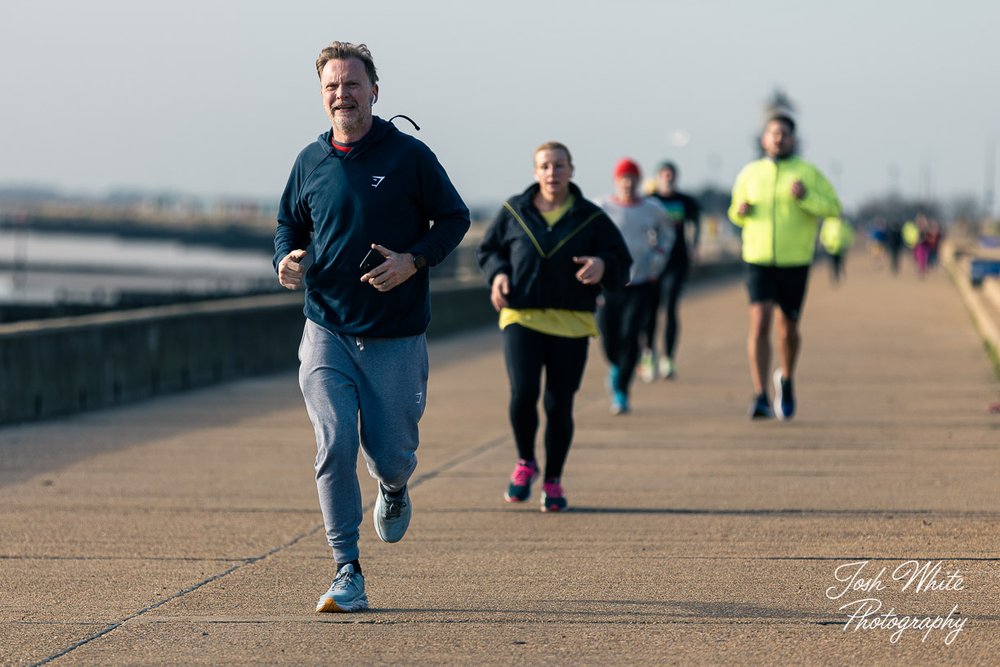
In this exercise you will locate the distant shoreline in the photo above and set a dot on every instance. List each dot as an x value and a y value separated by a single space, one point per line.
230 232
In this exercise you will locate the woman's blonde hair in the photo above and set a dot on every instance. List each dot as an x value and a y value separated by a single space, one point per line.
554 146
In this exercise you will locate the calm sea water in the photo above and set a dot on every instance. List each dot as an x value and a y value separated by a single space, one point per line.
47 268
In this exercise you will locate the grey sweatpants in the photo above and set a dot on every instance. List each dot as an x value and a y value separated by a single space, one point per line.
367 391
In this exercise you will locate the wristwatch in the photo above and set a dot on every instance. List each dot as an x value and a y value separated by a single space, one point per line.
419 262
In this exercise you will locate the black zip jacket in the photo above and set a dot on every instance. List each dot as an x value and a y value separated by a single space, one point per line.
387 190
539 259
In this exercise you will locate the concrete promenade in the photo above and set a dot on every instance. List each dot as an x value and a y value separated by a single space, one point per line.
185 530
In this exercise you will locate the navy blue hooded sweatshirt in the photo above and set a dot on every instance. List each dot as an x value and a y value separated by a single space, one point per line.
387 190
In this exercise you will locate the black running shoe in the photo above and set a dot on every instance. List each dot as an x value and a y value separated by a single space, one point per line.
760 409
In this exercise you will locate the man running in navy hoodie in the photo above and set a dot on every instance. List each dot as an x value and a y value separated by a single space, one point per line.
354 230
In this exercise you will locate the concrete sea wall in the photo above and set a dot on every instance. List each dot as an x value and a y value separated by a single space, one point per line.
61 366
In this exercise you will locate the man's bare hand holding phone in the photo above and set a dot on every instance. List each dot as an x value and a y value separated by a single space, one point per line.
384 269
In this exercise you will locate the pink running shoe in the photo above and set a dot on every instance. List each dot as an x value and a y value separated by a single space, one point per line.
519 489
553 499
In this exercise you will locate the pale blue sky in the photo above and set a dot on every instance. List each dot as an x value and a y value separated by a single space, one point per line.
216 97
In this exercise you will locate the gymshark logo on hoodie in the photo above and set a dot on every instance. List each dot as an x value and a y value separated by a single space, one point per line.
377 181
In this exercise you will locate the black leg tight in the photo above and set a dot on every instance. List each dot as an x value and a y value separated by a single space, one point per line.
527 352
621 320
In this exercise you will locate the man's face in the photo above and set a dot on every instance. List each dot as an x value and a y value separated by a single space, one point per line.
553 172
665 180
626 187
348 96
778 139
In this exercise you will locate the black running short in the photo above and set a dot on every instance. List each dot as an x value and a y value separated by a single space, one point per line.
784 285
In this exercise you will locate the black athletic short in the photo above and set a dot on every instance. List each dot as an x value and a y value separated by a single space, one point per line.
784 285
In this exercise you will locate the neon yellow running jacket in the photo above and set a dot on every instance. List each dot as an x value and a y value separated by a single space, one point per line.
780 230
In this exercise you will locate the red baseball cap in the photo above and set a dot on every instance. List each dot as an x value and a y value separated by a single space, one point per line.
626 166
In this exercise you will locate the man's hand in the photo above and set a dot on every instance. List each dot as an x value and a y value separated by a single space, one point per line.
592 269
798 190
291 271
745 208
394 271
499 291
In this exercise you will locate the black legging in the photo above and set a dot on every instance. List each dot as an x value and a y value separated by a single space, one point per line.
671 285
837 265
527 352
623 317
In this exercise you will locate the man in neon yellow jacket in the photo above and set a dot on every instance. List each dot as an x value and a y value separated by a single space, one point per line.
778 200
